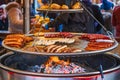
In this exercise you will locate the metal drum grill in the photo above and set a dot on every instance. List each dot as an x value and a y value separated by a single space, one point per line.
20 63
18 66
91 63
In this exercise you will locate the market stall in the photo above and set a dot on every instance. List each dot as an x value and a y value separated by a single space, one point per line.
59 55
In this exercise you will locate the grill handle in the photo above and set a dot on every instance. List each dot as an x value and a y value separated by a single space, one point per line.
101 72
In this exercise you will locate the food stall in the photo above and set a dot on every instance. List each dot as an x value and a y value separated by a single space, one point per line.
59 56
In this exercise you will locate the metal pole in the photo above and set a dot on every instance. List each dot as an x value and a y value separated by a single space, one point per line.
26 15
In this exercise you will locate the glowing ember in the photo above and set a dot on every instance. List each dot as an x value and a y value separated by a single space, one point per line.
55 65
71 68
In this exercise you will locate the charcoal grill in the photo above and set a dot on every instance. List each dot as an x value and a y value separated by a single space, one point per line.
16 65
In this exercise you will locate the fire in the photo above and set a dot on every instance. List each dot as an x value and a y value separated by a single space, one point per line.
55 60
55 65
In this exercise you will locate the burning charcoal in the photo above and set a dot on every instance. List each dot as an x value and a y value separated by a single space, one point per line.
48 70
42 67
35 68
54 65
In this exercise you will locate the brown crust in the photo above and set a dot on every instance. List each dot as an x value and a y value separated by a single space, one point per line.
64 7
15 36
55 6
92 46
13 40
59 50
28 39
48 48
77 5
13 43
55 48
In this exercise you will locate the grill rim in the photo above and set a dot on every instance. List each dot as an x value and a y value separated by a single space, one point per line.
66 54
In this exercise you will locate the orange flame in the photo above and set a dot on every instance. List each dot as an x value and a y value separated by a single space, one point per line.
56 60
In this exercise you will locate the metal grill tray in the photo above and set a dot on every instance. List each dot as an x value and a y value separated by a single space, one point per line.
82 46
61 54
60 10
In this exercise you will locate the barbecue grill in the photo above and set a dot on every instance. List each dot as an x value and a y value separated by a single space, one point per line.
102 66
24 67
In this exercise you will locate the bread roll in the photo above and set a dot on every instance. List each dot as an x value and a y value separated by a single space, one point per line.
55 6
44 7
64 7
77 5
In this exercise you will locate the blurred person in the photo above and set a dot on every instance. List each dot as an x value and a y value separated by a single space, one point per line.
3 18
107 9
79 22
118 3
107 6
107 16
15 17
116 19
2 11
98 15
96 12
